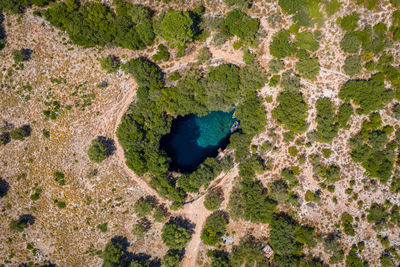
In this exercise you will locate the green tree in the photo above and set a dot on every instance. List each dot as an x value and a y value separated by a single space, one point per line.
97 151
239 3
145 72
144 206
350 43
240 24
349 22
327 128
18 55
18 133
352 65
176 27
174 236
306 41
308 67
247 253
213 200
171 259
214 228
112 254
281 46
291 111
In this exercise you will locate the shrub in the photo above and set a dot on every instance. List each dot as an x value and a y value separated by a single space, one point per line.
175 76
59 177
140 228
377 214
352 65
60 204
102 227
204 55
19 55
162 54
160 214
174 236
144 206
97 151
214 228
18 134
344 114
350 43
247 253
293 151
18 225
396 111
275 66
239 3
213 200
248 57
110 63
145 72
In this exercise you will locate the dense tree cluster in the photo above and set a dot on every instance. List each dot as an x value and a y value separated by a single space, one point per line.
370 147
19 6
370 94
92 24
222 88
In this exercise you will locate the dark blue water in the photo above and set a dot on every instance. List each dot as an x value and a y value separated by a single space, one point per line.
193 139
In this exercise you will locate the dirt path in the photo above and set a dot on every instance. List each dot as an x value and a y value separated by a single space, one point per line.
197 213
120 152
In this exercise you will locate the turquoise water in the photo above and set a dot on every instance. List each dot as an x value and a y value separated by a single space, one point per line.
193 139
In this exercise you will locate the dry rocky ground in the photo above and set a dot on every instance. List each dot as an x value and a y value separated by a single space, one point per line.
105 193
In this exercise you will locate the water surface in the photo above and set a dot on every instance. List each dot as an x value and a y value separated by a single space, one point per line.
193 139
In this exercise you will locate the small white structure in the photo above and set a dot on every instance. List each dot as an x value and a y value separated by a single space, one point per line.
267 251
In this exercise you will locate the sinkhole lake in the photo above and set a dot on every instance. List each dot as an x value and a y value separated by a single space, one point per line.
193 139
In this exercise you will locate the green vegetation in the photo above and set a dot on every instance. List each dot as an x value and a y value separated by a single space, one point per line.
327 128
350 43
97 151
19 133
213 200
21 223
239 3
102 227
247 253
59 177
240 24
307 66
349 22
281 46
140 228
347 221
291 111
144 206
344 113
110 63
352 65
162 53
176 27
175 236
306 41
171 259
214 228
92 24
368 94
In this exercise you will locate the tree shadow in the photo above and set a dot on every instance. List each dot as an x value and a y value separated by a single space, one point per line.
27 53
27 218
108 143
4 187
6 137
27 128
184 223
128 257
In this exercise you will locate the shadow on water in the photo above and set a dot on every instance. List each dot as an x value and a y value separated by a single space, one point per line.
182 143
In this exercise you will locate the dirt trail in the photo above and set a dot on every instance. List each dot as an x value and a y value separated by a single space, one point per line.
120 152
197 213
